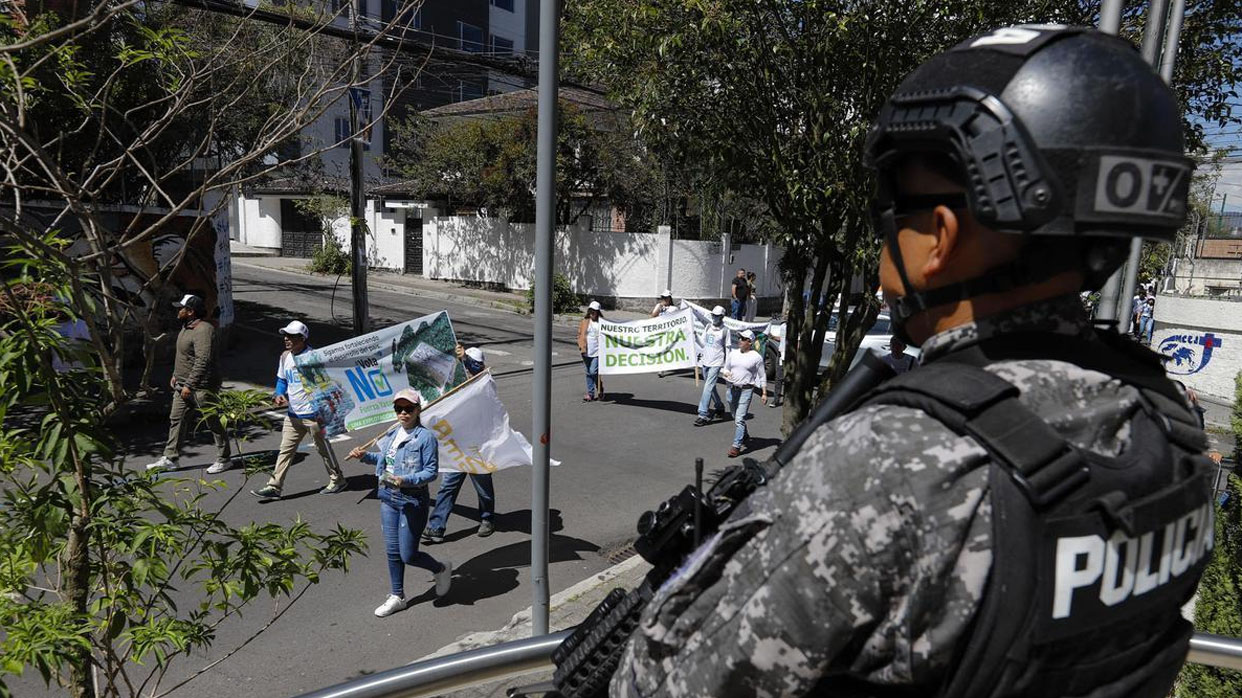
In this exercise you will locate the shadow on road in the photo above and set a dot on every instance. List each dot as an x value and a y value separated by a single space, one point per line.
669 405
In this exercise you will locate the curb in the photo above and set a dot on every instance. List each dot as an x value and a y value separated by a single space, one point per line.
514 307
626 573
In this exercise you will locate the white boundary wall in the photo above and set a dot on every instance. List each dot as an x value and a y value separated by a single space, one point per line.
1185 326
617 265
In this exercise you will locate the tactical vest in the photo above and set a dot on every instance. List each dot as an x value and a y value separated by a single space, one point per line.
1092 557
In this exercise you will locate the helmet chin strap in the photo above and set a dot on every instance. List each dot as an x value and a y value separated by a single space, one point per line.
1027 268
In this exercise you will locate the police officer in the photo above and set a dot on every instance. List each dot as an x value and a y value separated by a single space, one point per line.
1026 513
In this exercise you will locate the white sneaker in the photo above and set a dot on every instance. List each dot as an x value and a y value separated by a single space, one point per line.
444 579
390 606
220 466
164 463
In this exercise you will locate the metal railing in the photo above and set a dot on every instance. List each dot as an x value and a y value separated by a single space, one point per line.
510 660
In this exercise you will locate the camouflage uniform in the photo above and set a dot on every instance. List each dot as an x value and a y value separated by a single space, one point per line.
861 565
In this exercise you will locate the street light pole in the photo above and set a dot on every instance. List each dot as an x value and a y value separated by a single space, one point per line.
545 218
357 201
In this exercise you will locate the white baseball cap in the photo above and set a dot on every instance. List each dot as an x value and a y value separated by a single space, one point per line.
747 334
594 305
296 327
718 310
667 294
475 353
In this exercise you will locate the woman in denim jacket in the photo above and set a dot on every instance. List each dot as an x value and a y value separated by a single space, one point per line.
406 460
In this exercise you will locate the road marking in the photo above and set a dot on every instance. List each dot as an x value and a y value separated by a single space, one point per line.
528 363
499 352
339 438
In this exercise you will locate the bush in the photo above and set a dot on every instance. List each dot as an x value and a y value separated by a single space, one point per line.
329 258
1218 609
564 300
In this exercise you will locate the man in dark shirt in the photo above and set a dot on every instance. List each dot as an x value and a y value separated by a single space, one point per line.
741 291
195 380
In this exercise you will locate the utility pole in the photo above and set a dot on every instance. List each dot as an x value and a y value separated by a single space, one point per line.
1110 23
357 200
1153 40
545 212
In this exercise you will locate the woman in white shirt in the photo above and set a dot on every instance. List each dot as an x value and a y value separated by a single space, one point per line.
743 369
588 345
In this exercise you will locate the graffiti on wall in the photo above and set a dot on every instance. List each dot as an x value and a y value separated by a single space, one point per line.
1187 354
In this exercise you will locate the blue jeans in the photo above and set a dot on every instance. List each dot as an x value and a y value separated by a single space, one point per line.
710 394
592 371
739 404
402 518
1146 325
450 486
738 309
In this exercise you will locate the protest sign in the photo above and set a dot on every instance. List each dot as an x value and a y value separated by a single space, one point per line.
703 318
472 428
351 383
665 343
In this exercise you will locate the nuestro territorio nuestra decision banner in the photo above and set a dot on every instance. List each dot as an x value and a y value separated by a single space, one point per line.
645 346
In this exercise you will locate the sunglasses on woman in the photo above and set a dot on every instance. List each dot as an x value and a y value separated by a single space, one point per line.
405 408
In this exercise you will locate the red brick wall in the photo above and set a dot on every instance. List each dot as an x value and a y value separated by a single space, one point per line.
1220 249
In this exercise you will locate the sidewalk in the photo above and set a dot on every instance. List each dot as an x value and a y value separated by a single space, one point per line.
566 609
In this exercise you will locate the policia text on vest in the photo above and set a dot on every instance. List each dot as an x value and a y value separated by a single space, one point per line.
1126 567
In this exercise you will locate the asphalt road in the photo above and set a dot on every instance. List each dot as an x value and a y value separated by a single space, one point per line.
619 457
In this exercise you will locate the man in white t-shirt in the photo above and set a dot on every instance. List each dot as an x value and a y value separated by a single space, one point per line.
300 420
715 342
743 369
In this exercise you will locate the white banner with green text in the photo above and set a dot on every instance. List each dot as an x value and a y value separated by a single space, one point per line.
665 343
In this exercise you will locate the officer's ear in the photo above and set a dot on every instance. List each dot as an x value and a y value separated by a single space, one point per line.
946 229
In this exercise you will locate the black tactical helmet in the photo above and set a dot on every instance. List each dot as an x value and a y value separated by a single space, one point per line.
1061 131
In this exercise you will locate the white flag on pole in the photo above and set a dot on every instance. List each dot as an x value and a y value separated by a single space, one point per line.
472 427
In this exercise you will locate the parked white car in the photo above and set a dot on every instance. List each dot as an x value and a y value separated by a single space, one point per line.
877 338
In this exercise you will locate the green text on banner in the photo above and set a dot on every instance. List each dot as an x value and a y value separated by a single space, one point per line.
646 346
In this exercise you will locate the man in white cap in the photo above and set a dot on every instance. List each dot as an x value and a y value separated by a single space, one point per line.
195 380
715 342
450 485
744 371
301 418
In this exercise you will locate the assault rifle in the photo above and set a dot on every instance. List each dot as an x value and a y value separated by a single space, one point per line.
586 660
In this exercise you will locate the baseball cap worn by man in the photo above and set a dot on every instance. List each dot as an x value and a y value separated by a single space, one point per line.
718 311
747 335
475 353
192 302
409 395
296 327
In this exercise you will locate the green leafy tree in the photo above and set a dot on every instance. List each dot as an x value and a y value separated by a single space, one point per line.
490 163
96 556
775 98
165 109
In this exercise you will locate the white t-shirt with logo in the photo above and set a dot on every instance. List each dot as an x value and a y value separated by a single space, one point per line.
714 339
300 403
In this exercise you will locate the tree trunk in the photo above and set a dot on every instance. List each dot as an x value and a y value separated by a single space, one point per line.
77 593
806 359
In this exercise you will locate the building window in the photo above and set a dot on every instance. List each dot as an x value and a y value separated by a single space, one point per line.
470 37
341 132
466 90
502 46
503 4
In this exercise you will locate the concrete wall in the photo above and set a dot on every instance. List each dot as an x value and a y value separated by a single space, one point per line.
1218 277
1203 338
258 221
385 235
612 266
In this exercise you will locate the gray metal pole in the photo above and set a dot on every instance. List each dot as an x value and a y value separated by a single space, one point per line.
1170 40
1110 23
1110 16
357 200
545 219
1153 41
